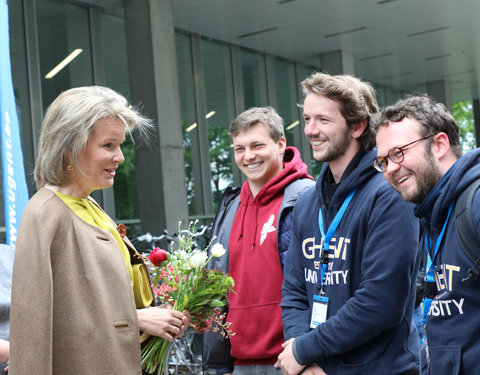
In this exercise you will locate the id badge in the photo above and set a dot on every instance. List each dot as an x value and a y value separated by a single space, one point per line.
319 310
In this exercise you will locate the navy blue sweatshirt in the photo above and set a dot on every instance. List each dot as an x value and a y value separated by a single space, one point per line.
453 321
370 281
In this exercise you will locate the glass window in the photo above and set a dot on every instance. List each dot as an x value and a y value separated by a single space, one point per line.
254 79
304 72
219 114
381 94
396 95
189 122
285 86
114 53
63 32
115 67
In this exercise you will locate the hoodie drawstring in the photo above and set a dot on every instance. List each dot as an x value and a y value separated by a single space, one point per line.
256 225
243 207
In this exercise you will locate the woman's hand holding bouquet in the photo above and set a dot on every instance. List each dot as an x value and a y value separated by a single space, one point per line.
181 280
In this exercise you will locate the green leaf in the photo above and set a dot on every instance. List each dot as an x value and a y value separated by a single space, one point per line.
217 303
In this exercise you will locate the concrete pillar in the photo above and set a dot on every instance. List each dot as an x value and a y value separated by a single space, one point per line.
337 62
440 91
154 83
476 120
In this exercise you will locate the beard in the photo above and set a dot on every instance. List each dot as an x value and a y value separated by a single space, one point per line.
335 150
425 178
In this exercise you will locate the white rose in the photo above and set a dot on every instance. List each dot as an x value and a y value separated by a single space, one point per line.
198 259
218 250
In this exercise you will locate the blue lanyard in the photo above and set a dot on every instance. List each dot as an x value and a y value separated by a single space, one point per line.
430 278
331 230
428 246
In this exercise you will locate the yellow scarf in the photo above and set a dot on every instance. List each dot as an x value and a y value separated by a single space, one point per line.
94 215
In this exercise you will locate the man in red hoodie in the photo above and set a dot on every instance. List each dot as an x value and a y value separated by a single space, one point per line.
254 224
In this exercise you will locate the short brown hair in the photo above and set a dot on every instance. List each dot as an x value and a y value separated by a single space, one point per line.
431 115
357 99
254 115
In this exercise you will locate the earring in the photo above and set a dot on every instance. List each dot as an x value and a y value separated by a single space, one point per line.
69 167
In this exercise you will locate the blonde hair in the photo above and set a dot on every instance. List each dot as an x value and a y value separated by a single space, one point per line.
67 126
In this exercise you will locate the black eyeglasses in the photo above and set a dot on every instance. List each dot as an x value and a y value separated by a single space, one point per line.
395 154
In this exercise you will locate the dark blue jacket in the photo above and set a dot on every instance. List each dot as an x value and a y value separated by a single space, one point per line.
453 322
371 280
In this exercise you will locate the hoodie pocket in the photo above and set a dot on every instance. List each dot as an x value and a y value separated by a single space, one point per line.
444 360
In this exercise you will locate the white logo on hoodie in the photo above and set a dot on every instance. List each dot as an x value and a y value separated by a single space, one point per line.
267 228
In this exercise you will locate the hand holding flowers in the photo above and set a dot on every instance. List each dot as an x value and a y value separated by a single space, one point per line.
163 322
181 280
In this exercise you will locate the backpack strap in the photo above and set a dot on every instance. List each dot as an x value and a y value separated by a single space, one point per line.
466 231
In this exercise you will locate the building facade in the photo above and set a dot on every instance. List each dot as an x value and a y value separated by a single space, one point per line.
191 85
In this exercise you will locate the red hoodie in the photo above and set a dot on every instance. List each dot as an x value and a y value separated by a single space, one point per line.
254 264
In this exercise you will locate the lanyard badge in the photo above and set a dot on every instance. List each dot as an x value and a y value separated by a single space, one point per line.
319 310
430 276
320 302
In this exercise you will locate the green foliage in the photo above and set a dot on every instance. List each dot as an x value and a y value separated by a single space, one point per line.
463 113
187 152
220 162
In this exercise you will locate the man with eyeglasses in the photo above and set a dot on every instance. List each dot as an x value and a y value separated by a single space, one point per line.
349 282
420 155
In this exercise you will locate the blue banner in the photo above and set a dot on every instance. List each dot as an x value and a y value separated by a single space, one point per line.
15 191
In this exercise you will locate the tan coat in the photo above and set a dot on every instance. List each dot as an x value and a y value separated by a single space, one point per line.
73 309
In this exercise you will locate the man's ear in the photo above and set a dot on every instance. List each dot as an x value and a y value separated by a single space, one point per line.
440 145
359 128
282 144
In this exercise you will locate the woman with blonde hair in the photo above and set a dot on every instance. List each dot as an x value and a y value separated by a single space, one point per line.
81 293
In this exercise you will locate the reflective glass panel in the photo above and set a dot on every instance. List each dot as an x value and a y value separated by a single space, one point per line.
115 68
63 34
286 96
189 124
304 72
254 79
114 53
219 114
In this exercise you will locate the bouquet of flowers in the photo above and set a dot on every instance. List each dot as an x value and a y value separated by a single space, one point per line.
180 278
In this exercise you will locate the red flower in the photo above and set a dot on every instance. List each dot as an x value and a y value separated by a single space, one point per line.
158 256
162 291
